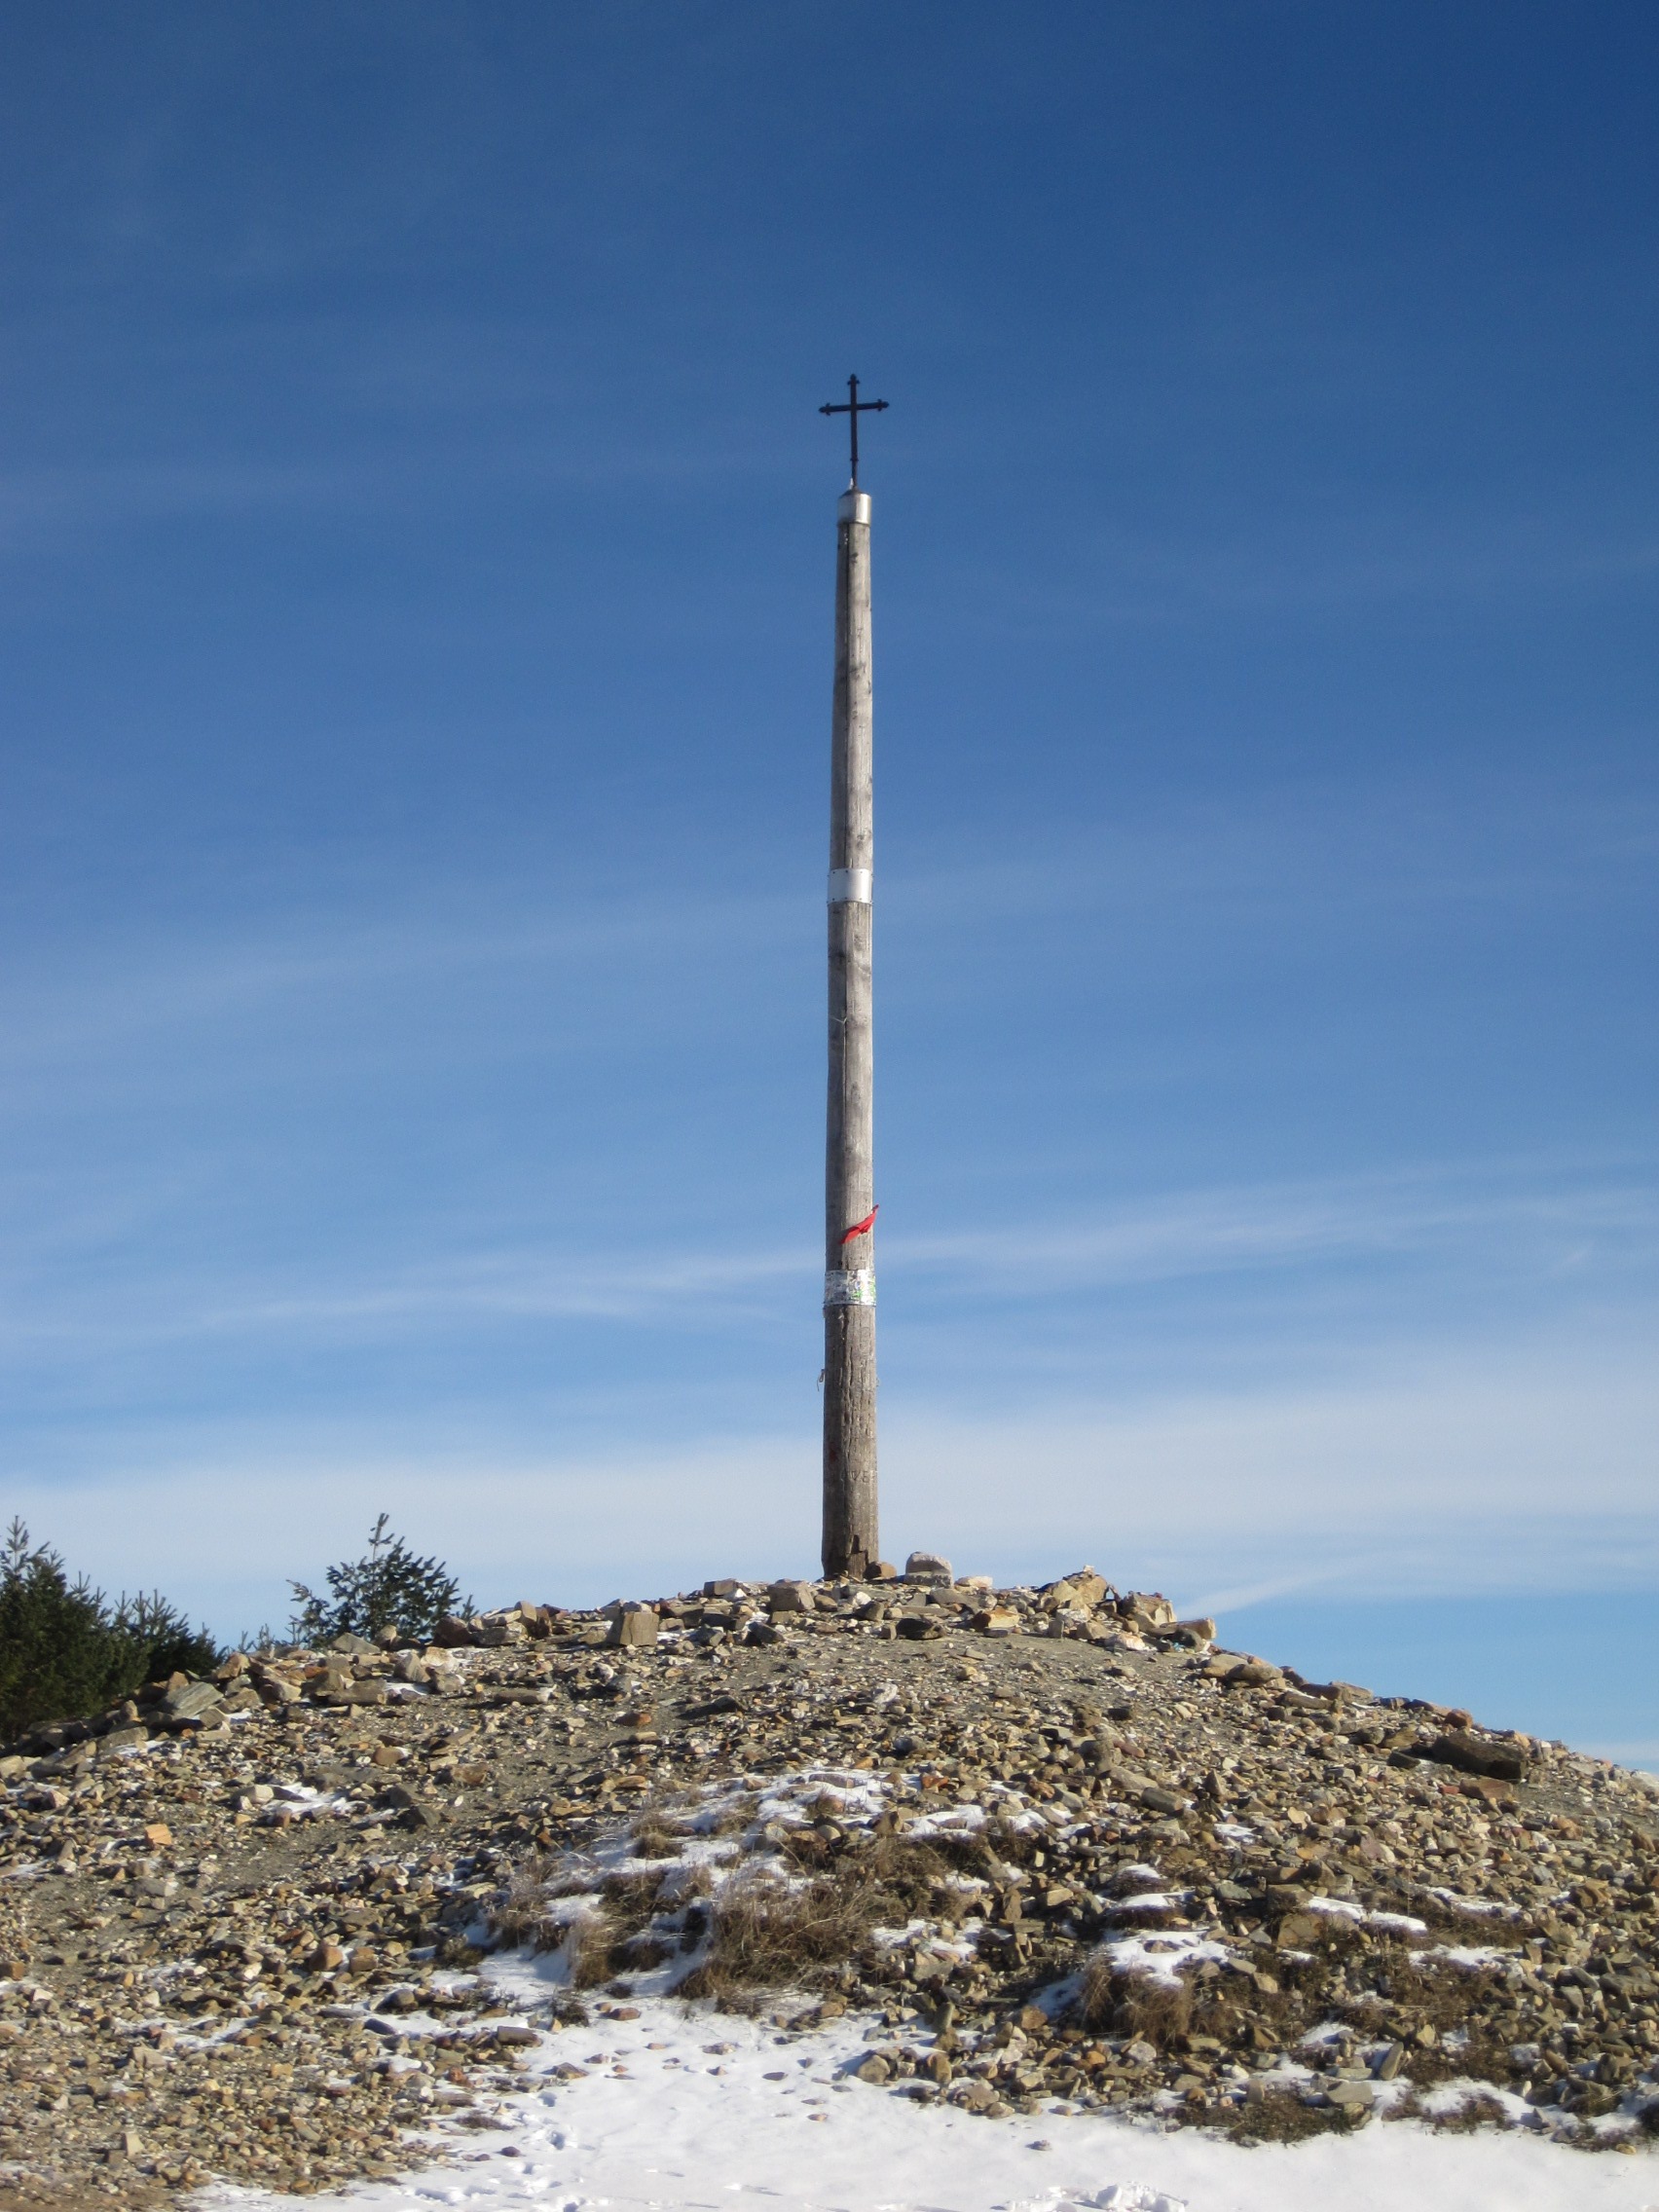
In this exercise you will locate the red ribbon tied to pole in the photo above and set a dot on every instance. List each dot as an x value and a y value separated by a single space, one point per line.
860 1228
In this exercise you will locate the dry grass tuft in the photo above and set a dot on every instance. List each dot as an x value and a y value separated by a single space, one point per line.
588 1948
521 1917
732 1818
1097 1995
1158 2012
1283 2118
909 1875
811 1852
1475 2111
1445 1998
631 1901
764 1935
1013 1845
653 1836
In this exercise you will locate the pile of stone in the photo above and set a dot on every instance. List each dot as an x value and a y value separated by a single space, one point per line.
242 1919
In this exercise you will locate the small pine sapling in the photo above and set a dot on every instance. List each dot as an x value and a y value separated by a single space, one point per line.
388 1588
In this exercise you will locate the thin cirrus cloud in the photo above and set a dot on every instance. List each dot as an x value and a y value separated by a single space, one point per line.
1527 1468
1547 1220
306 973
1230 1385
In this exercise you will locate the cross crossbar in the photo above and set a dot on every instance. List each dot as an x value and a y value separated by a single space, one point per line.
852 407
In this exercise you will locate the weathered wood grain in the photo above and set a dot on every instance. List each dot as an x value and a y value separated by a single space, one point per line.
850 1518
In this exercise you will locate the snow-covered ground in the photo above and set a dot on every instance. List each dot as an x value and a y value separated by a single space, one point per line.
679 2108
682 2109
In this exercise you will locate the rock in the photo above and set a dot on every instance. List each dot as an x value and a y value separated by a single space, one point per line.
1473 1755
1070 1620
1355 2094
635 1624
874 2070
1286 1896
1085 1588
1298 1701
997 1620
928 1567
119 1741
369 1692
560 1761
495 1631
1150 1611
192 1700
353 1646
453 1633
1490 1791
791 1598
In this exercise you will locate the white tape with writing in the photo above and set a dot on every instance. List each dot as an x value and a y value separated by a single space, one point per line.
849 1286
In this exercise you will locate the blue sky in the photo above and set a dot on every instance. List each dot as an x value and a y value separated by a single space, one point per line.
418 534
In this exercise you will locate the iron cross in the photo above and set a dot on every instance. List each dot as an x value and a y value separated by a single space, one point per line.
853 407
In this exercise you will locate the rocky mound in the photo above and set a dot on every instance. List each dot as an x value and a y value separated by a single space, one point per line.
1058 1849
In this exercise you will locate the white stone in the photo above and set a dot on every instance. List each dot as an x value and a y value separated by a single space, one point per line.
928 1567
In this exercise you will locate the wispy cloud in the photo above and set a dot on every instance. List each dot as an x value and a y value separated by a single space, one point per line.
1311 854
1532 1471
1313 565
1409 1212
109 993
1536 1217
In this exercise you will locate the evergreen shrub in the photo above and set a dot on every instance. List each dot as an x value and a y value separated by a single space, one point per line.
65 1651
389 1587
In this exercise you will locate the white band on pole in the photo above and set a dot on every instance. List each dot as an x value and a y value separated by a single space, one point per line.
849 1286
851 886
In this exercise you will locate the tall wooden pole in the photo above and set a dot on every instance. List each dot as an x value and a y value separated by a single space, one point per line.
851 1543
